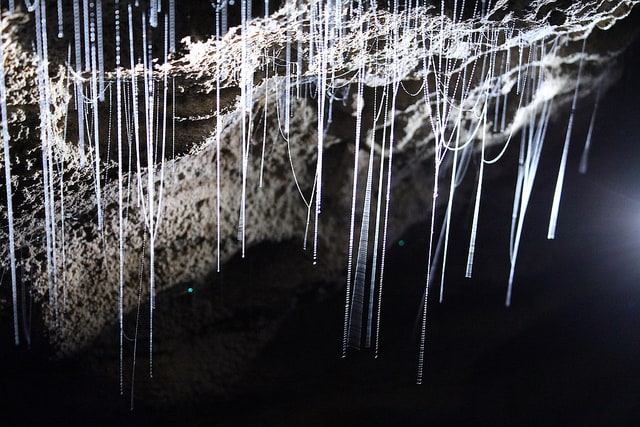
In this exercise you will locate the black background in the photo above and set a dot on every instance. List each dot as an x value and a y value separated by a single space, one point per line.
565 353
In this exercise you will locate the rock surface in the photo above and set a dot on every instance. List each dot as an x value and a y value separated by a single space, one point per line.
80 309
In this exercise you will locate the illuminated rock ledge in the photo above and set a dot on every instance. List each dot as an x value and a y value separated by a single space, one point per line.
515 65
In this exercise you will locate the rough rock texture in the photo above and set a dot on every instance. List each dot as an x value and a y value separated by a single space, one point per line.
83 302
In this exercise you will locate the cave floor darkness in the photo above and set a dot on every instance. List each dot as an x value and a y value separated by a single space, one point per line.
565 353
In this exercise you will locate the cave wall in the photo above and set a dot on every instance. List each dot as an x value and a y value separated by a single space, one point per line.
379 49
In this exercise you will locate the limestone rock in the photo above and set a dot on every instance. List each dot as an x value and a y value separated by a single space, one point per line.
419 51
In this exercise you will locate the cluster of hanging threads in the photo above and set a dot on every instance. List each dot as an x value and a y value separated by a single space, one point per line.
468 75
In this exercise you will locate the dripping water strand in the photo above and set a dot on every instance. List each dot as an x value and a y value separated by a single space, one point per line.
553 220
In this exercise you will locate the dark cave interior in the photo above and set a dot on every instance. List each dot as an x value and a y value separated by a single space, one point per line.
565 352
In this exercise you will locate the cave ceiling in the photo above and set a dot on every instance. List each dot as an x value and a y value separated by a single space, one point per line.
284 127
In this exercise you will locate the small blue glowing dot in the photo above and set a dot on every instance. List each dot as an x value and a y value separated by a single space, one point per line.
190 290
401 243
